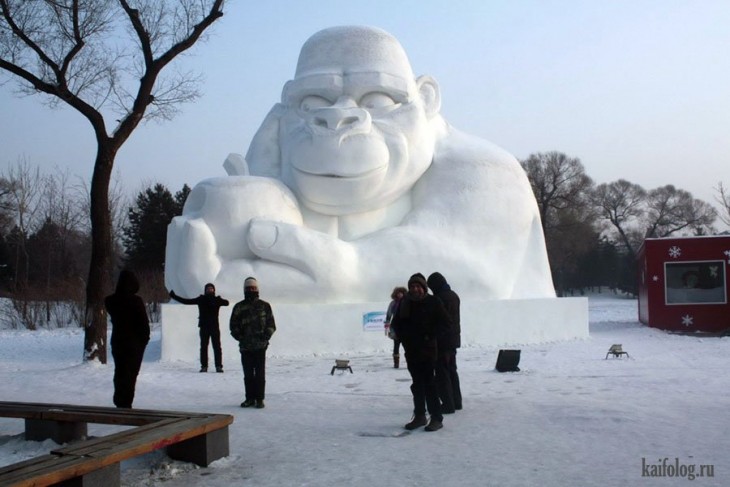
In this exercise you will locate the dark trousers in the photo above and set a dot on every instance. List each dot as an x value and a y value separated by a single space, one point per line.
447 381
423 388
210 334
254 373
127 362
396 347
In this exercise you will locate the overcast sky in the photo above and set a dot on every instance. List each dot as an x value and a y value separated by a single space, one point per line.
636 89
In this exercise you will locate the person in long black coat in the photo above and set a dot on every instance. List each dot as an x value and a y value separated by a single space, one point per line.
130 335
447 377
420 320
208 306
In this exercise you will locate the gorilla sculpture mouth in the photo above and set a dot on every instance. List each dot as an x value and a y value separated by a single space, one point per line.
361 175
338 193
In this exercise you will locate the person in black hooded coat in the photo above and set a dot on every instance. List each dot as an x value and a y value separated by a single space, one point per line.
208 306
130 335
447 377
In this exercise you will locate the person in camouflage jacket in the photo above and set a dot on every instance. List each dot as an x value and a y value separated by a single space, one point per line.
252 325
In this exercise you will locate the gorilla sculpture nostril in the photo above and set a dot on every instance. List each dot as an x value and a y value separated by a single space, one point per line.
348 121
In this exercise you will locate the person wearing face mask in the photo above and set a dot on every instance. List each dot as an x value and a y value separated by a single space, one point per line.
252 325
420 321
208 306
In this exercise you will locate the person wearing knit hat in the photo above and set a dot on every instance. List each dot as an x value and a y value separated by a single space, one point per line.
420 320
208 306
252 325
419 279
250 282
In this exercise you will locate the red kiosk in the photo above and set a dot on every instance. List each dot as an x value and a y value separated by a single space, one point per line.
683 283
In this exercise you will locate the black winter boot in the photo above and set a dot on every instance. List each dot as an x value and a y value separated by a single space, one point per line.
416 422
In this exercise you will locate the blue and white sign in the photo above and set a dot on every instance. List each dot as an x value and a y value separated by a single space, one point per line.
373 321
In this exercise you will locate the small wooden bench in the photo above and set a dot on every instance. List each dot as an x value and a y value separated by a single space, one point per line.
193 437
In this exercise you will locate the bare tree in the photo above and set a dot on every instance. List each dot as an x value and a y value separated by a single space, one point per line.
59 203
70 50
62 206
670 210
24 198
64 214
636 214
561 188
621 203
723 197
6 205
559 183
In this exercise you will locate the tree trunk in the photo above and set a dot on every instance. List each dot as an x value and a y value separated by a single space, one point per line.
99 282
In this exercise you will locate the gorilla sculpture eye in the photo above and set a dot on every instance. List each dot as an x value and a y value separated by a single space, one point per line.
376 99
312 102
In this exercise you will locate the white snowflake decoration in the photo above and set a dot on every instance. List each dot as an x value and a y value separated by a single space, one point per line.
727 253
675 252
713 270
687 320
655 278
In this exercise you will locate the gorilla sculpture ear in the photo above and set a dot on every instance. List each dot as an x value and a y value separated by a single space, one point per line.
264 156
428 89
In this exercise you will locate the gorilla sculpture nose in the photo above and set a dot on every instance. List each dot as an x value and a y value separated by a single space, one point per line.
340 119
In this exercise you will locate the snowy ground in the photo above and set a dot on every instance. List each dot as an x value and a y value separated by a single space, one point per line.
569 418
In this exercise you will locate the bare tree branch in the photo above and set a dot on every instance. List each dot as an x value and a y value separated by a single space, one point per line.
559 183
671 210
723 197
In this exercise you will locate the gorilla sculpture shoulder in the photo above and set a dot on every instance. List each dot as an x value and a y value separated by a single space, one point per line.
352 183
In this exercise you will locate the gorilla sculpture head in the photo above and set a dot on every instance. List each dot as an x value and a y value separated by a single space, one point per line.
355 127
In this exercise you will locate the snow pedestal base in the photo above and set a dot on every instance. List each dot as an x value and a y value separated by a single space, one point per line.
324 329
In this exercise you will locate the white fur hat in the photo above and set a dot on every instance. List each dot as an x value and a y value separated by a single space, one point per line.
250 282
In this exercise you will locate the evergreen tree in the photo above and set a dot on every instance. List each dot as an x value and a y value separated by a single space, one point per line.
145 236
180 198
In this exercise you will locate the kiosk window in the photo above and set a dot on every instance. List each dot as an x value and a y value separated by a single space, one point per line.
695 282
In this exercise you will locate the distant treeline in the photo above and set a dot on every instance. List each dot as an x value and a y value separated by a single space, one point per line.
592 231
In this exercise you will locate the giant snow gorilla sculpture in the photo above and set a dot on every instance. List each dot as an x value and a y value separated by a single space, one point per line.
356 182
